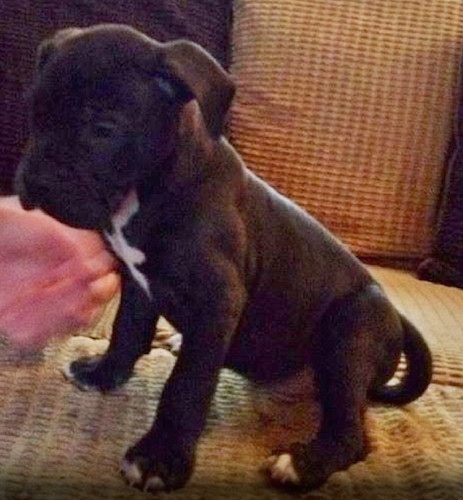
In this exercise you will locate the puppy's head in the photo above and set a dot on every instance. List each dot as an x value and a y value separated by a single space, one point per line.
104 114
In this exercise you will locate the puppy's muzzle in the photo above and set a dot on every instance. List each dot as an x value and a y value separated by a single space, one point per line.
31 192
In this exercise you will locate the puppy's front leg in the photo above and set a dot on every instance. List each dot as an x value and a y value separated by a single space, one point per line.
132 335
164 458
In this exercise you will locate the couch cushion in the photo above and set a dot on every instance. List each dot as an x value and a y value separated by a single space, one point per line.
24 24
347 107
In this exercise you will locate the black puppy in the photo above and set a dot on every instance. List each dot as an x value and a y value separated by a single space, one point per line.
126 139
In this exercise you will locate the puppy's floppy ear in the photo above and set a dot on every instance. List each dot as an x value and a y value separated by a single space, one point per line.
201 75
49 46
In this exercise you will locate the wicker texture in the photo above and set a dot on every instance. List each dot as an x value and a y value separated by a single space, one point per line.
58 443
347 108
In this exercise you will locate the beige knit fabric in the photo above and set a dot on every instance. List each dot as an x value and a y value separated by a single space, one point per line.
57 443
346 106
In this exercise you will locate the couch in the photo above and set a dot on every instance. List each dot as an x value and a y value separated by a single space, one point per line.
354 110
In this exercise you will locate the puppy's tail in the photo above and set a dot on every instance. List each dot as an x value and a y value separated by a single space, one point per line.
418 372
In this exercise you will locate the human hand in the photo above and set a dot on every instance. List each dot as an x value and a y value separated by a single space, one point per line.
54 279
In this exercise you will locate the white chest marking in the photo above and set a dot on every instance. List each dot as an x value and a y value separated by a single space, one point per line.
131 256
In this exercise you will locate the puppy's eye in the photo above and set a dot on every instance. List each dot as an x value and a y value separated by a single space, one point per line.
103 130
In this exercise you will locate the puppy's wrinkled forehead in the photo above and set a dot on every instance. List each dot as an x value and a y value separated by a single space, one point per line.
105 65
108 46
106 61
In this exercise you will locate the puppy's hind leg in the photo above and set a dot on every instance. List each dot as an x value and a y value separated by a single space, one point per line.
353 333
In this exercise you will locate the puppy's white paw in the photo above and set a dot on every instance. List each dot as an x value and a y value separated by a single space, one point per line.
134 477
154 484
281 469
69 375
132 473
170 341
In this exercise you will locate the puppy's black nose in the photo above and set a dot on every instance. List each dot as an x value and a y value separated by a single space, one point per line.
26 203
31 194
20 188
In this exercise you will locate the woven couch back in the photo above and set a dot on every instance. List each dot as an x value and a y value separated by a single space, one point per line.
347 108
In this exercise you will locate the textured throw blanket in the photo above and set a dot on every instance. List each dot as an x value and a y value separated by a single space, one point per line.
59 443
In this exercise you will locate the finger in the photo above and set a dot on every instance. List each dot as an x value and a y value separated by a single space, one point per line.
105 288
97 266
99 293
